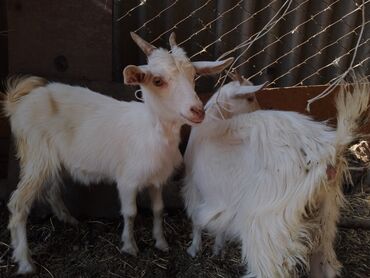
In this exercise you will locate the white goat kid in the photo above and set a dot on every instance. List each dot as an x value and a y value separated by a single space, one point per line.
96 138
266 179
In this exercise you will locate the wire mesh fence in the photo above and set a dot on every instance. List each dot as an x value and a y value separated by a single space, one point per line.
287 43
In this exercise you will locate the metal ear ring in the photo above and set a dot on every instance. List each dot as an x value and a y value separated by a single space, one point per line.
137 96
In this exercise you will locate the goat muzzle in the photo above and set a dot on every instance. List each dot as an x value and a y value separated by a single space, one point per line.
197 113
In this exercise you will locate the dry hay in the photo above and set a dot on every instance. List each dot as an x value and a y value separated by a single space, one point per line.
353 245
91 249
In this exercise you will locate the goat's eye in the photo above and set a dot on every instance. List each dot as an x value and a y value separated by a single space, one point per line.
158 82
250 99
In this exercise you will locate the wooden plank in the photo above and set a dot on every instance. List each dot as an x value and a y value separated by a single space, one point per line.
3 40
90 201
72 39
4 128
295 99
287 99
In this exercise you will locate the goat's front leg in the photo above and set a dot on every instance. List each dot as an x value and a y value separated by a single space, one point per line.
128 210
219 244
53 196
196 242
155 193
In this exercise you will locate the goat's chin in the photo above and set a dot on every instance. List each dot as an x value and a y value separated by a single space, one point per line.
191 121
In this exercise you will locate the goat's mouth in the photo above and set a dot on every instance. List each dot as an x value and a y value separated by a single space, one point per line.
191 121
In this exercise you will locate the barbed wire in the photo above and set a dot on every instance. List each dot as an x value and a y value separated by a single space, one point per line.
278 39
338 79
301 42
264 30
306 41
157 15
181 21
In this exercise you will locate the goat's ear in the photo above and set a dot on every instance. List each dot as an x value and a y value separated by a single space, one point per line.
236 76
133 75
244 90
172 40
208 68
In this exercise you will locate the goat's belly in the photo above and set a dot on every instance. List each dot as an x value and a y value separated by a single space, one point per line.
88 177
86 170
139 175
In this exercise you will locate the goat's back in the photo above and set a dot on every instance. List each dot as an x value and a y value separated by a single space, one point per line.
85 131
257 163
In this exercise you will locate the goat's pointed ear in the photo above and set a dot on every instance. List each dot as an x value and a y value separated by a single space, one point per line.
208 68
244 90
133 75
235 76
172 40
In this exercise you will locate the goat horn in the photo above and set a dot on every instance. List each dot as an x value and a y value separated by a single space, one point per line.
235 75
146 47
173 40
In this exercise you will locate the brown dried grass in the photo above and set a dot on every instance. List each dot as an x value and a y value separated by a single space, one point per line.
91 249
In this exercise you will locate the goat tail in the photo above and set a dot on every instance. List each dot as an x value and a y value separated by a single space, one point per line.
16 88
352 102
352 105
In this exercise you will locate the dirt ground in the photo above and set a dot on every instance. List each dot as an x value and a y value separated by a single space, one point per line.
91 249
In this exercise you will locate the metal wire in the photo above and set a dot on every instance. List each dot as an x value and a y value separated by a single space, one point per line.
301 42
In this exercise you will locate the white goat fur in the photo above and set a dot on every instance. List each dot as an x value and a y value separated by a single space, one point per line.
97 138
261 178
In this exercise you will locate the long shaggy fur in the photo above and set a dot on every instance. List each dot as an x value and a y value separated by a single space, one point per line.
262 178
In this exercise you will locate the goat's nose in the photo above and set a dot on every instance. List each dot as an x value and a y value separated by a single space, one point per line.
198 111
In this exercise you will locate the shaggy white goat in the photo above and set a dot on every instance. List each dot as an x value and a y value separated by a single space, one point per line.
270 179
96 138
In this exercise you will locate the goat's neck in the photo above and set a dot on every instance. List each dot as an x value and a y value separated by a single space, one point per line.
169 129
215 113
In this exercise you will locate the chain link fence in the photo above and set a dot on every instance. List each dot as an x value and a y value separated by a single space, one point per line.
287 43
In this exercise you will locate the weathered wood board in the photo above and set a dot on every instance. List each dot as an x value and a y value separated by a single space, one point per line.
102 200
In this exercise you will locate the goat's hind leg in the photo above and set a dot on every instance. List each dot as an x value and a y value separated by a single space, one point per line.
324 262
53 195
20 205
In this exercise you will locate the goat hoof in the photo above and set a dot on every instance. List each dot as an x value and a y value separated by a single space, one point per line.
25 268
162 245
72 221
67 218
130 249
216 252
192 251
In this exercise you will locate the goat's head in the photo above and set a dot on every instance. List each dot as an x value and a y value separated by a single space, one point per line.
234 98
167 81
